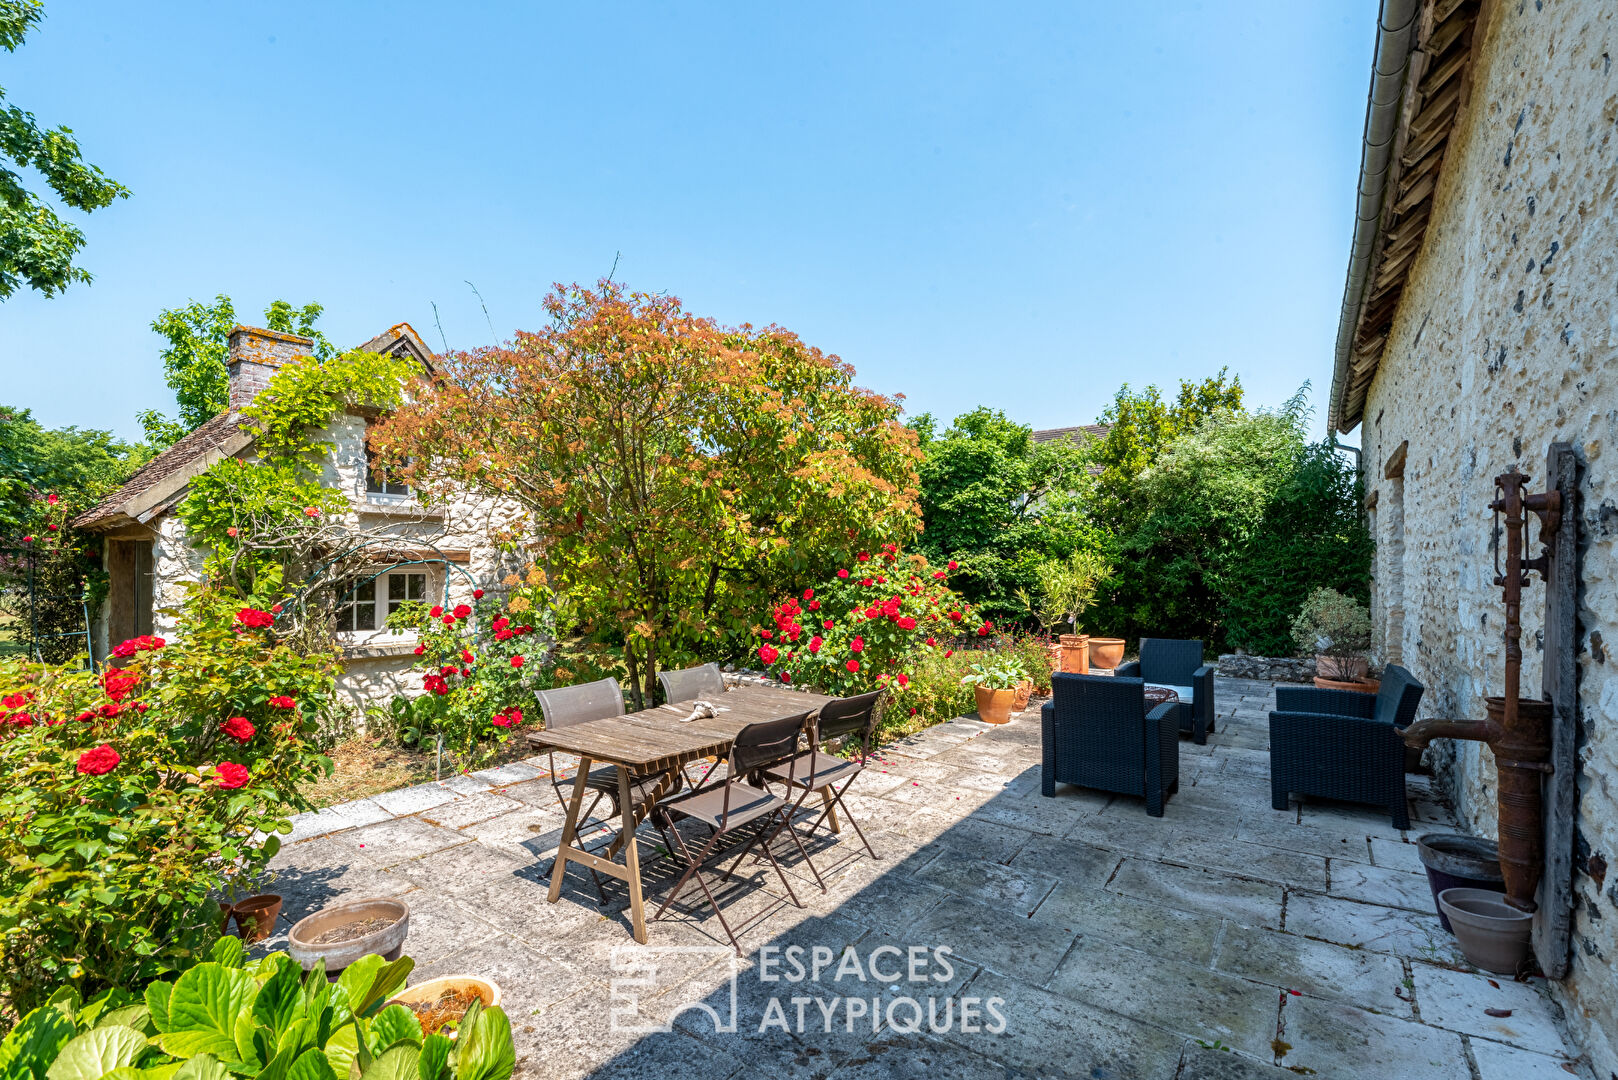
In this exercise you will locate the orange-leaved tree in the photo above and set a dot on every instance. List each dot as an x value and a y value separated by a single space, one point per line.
678 472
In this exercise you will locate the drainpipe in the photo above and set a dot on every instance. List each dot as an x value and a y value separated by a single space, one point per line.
1395 38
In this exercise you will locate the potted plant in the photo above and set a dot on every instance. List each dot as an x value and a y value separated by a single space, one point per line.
994 683
1337 629
1066 587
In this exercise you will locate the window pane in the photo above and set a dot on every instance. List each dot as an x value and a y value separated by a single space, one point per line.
365 615
396 588
418 586
366 591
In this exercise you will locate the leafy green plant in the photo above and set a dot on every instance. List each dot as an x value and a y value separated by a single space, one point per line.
136 794
1003 671
1331 624
266 1018
864 627
1066 587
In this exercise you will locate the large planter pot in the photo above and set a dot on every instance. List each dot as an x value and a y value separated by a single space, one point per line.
1358 686
1106 653
326 935
1458 861
1491 933
1024 691
1342 668
1074 653
452 990
255 917
995 706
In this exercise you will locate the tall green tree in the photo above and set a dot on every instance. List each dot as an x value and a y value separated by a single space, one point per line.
37 248
198 336
998 503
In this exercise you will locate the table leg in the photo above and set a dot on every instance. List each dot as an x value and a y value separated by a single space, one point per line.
831 811
637 908
570 827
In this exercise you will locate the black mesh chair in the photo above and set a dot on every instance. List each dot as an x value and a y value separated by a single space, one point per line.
1178 665
1340 744
689 684
738 804
815 772
1098 734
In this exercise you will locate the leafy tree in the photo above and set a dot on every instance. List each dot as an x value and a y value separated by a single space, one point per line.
1236 522
75 467
194 362
998 503
677 471
37 248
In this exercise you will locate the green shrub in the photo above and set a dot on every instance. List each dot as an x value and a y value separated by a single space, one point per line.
226 1017
935 694
1331 624
135 795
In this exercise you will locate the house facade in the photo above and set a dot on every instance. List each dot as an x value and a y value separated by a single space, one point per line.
1479 327
445 552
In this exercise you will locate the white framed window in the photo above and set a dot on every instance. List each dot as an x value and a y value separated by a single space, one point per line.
368 603
377 481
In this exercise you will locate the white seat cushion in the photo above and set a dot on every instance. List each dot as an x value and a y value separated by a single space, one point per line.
1184 693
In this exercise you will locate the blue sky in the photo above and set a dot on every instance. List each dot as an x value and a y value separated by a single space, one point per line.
1015 205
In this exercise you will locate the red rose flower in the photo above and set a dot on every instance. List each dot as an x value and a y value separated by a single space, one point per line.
119 683
228 774
503 634
907 623
466 654
852 665
254 619
462 611
421 650
814 605
930 641
437 611
239 728
516 661
500 624
786 676
477 594
864 556
449 620
769 654
827 624
808 594
282 702
953 565
767 634
904 680
939 574
880 580
955 616
815 643
948 653
98 762
840 573
53 498
107 712
857 645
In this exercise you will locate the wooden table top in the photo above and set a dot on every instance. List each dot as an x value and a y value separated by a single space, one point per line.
655 739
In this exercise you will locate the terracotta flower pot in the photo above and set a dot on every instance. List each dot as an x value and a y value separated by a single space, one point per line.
255 916
1359 686
1106 653
1075 654
1024 691
1342 668
995 706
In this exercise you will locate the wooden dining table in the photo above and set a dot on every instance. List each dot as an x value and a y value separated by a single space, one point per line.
643 745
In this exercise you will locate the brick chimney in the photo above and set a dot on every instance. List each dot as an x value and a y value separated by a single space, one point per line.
255 355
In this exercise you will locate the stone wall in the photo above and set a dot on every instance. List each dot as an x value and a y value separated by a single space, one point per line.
1506 341
1286 669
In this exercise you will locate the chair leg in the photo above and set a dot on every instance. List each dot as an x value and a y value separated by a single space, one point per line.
1401 815
1047 781
1279 796
782 874
1154 803
857 830
1199 731
798 843
690 868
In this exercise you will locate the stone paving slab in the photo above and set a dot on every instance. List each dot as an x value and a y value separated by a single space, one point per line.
1223 941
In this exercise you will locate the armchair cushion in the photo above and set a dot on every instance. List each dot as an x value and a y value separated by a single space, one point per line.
1186 694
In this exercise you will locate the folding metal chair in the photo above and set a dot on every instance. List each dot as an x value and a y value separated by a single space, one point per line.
737 804
817 773
690 684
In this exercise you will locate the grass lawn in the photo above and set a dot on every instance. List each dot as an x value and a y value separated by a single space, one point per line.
368 765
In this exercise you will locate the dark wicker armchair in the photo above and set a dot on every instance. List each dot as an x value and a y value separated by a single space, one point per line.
1340 744
1098 734
1178 665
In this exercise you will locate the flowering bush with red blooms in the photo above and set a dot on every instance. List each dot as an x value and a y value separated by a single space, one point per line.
474 675
137 794
864 630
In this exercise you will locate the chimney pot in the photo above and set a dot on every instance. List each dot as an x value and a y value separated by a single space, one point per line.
255 355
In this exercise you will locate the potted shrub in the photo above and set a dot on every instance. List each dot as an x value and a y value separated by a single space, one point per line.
994 682
1066 587
1337 629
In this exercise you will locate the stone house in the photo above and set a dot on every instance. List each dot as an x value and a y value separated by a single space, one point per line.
147 555
1479 326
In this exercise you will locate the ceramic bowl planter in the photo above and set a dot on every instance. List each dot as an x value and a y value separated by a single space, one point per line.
1491 933
445 1000
1074 657
343 933
995 706
1458 861
1106 653
255 917
1358 686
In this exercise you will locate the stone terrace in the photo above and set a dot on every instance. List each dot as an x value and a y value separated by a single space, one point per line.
1221 941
